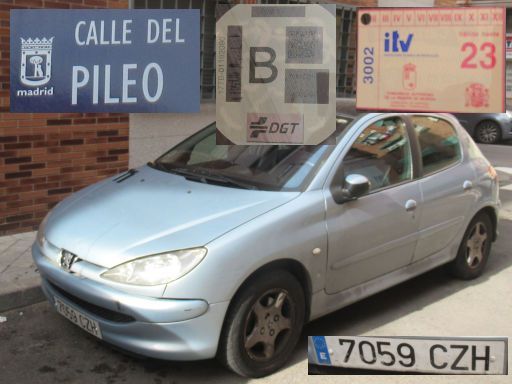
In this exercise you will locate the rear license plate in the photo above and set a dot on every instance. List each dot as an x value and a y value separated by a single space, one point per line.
77 317
457 355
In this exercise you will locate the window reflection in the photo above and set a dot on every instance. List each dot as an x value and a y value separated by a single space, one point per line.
438 141
381 153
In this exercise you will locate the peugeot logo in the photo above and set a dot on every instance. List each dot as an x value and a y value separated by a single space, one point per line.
66 260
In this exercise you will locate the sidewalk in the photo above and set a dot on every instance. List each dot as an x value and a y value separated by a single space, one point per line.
19 280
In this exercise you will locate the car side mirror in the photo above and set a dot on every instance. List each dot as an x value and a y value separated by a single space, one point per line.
354 187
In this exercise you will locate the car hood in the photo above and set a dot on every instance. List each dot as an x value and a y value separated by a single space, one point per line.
151 212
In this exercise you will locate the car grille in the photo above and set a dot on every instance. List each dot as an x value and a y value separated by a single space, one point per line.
104 313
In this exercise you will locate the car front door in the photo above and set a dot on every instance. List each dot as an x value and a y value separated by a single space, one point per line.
376 233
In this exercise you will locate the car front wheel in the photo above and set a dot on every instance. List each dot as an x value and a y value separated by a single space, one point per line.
263 324
488 132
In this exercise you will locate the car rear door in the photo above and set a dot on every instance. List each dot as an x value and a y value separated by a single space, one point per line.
446 185
376 233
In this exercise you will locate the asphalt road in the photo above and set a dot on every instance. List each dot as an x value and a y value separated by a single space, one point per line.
39 346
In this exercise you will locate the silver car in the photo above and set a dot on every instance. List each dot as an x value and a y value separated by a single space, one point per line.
227 251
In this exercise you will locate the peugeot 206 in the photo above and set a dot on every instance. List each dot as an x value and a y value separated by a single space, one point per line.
227 251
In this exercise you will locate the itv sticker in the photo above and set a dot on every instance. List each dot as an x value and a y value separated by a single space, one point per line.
431 59
276 74
105 60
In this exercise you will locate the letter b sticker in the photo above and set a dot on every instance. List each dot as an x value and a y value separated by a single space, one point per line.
262 64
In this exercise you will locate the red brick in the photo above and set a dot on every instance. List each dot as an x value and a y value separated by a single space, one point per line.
18 175
89 120
30 3
107 133
18 160
33 181
5 227
8 139
32 166
26 216
53 4
7 154
46 186
58 122
72 142
17 145
30 137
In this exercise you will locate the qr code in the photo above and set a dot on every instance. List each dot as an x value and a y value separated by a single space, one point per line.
306 86
304 45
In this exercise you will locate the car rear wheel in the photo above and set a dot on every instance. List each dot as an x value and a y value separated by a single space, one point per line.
263 325
488 132
475 248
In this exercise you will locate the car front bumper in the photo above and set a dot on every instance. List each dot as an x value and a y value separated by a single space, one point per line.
167 329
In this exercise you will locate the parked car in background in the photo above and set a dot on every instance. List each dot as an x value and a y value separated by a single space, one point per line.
229 250
487 128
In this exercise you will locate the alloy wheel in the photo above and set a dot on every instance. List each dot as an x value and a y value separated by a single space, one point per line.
268 324
476 244
488 132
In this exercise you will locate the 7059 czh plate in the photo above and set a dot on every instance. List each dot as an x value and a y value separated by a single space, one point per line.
441 355
77 317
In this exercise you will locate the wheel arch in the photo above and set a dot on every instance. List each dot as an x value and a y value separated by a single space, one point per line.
491 212
296 268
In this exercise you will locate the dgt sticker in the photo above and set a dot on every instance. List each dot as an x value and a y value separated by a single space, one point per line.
276 73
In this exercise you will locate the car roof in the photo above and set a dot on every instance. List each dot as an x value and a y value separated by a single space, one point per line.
346 107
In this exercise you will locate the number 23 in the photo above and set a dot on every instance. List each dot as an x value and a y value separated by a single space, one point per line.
490 53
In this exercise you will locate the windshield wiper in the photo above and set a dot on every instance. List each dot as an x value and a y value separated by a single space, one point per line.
205 177
222 179
157 165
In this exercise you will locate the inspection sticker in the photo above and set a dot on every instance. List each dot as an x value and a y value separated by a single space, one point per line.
431 59
276 74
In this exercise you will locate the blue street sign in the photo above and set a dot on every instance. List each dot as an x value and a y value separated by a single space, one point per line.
105 60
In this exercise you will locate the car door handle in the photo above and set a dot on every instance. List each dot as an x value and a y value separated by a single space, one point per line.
468 185
411 205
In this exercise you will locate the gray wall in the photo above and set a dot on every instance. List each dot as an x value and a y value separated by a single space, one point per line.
151 134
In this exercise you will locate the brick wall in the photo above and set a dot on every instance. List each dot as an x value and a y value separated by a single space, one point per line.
45 157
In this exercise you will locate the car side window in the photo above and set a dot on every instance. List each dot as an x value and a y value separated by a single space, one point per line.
439 143
382 153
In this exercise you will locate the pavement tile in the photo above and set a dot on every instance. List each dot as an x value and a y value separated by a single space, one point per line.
19 279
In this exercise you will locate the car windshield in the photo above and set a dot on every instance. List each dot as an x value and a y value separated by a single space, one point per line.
264 167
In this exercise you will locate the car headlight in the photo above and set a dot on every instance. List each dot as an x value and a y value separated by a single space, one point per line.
156 269
509 114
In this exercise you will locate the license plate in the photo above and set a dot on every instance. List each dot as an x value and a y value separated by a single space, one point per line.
458 355
78 318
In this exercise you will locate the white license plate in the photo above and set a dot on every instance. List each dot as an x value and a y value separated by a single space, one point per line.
77 317
457 355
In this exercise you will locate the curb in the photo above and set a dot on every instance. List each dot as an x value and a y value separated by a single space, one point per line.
21 298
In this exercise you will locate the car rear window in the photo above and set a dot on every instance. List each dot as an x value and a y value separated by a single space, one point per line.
439 143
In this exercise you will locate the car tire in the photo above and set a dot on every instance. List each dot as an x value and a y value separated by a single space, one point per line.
474 249
263 324
488 132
